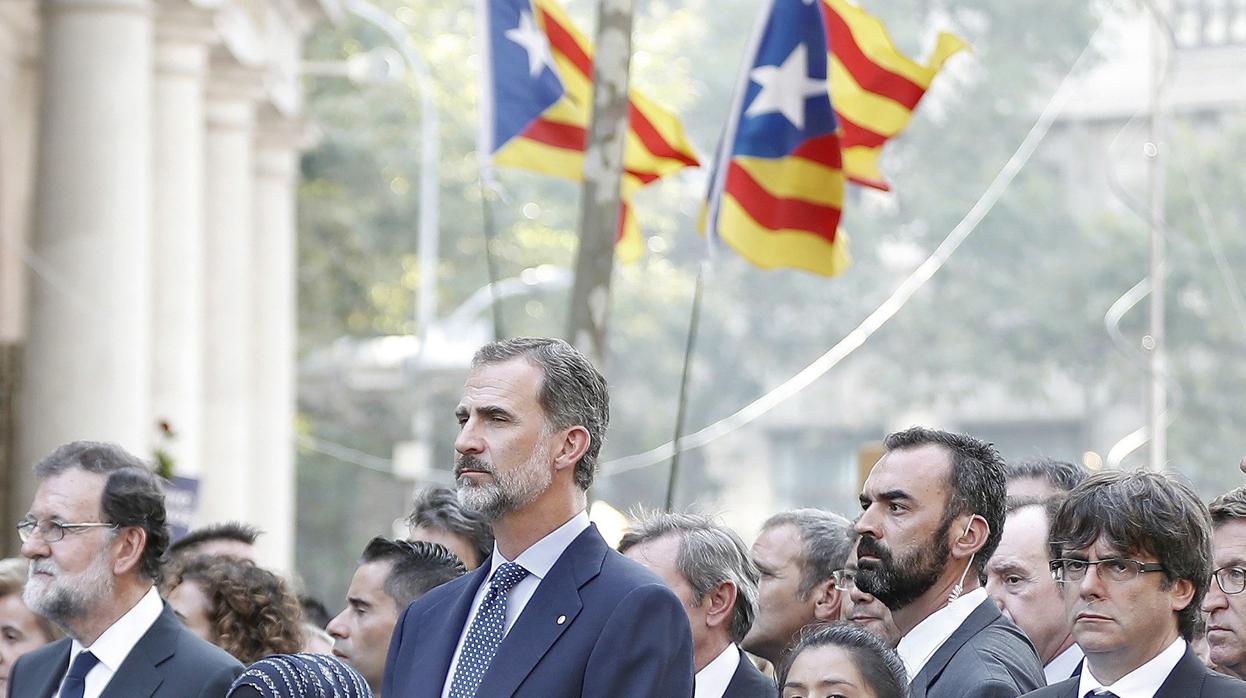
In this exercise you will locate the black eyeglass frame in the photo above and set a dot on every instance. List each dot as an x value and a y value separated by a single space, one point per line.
1218 576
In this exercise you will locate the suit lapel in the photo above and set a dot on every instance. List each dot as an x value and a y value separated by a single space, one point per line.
444 631
548 614
1185 679
982 616
46 677
137 676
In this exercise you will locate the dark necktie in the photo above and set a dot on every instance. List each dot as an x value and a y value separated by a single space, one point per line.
1102 693
486 632
76 679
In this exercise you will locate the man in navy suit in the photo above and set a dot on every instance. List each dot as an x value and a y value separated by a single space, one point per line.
554 611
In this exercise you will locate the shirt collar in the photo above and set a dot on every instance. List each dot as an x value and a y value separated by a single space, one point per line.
1061 667
1142 682
115 643
920 643
712 681
540 557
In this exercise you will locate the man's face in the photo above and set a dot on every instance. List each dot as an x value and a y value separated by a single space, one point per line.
1019 579
193 607
459 545
1128 622
866 611
1226 613
361 632
660 556
70 577
504 440
904 543
781 608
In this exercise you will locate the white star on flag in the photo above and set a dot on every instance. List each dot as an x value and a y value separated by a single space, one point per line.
533 41
784 88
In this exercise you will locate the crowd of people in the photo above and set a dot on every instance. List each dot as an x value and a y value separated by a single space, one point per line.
961 575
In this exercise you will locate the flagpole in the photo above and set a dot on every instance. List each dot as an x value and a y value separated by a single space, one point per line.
490 229
681 409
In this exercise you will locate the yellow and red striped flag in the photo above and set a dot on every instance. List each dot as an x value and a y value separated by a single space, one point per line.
530 124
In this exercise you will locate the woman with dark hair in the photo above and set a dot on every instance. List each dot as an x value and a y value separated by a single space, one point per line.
842 660
245 610
300 676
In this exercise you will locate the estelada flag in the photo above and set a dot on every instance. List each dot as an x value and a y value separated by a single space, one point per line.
537 100
777 189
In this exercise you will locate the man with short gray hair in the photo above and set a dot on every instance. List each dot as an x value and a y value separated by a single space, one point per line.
708 568
797 554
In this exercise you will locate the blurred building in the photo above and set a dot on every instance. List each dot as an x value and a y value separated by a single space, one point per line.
148 167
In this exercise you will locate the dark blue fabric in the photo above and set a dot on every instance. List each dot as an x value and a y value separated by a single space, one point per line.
299 675
76 679
488 628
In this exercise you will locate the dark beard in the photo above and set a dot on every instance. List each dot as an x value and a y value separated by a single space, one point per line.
899 582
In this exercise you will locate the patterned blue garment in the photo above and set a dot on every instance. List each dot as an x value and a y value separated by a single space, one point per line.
300 675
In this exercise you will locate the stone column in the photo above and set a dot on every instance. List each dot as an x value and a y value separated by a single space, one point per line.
87 356
183 36
229 459
272 476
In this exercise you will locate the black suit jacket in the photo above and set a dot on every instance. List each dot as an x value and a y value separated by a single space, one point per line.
168 661
986 657
1189 679
748 682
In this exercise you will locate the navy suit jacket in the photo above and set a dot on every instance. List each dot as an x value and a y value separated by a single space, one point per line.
748 682
597 625
986 657
168 661
1189 679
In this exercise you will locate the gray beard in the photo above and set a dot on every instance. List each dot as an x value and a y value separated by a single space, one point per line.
66 600
508 492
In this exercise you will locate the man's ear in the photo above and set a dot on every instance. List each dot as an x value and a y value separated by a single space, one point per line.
1182 591
720 604
826 601
128 549
973 534
570 447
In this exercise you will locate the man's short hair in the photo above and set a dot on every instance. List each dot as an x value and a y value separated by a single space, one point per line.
1141 513
573 392
225 530
826 539
709 554
415 567
1060 474
438 508
1229 506
975 479
314 611
133 495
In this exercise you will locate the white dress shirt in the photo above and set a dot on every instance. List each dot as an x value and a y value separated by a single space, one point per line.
1061 667
115 643
712 681
1142 682
916 648
538 560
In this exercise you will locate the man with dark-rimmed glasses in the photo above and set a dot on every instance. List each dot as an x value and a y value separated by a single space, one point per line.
1131 553
1225 604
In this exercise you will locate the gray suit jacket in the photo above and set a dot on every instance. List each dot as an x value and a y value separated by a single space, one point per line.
1189 679
986 657
169 661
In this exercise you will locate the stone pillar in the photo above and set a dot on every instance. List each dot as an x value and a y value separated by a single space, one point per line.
183 36
229 458
272 475
87 359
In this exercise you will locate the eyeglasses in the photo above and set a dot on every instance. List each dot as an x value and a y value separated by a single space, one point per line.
1117 569
1231 580
52 531
844 579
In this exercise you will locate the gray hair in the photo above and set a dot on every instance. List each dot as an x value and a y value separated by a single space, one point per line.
709 554
573 392
438 508
1060 474
826 539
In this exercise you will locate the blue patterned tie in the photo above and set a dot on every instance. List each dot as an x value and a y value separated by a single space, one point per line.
76 679
486 632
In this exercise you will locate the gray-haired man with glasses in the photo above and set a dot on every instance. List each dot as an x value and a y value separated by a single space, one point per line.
1131 553
1225 604
94 536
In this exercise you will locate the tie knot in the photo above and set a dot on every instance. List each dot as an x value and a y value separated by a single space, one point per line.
83 663
506 577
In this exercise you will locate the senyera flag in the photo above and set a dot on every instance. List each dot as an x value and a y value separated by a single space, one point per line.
536 103
777 189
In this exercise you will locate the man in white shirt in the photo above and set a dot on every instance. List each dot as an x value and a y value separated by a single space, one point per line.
708 568
94 535
1018 579
554 611
1132 554
1225 603
933 512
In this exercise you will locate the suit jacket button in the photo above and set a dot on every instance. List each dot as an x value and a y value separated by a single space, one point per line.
562 619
